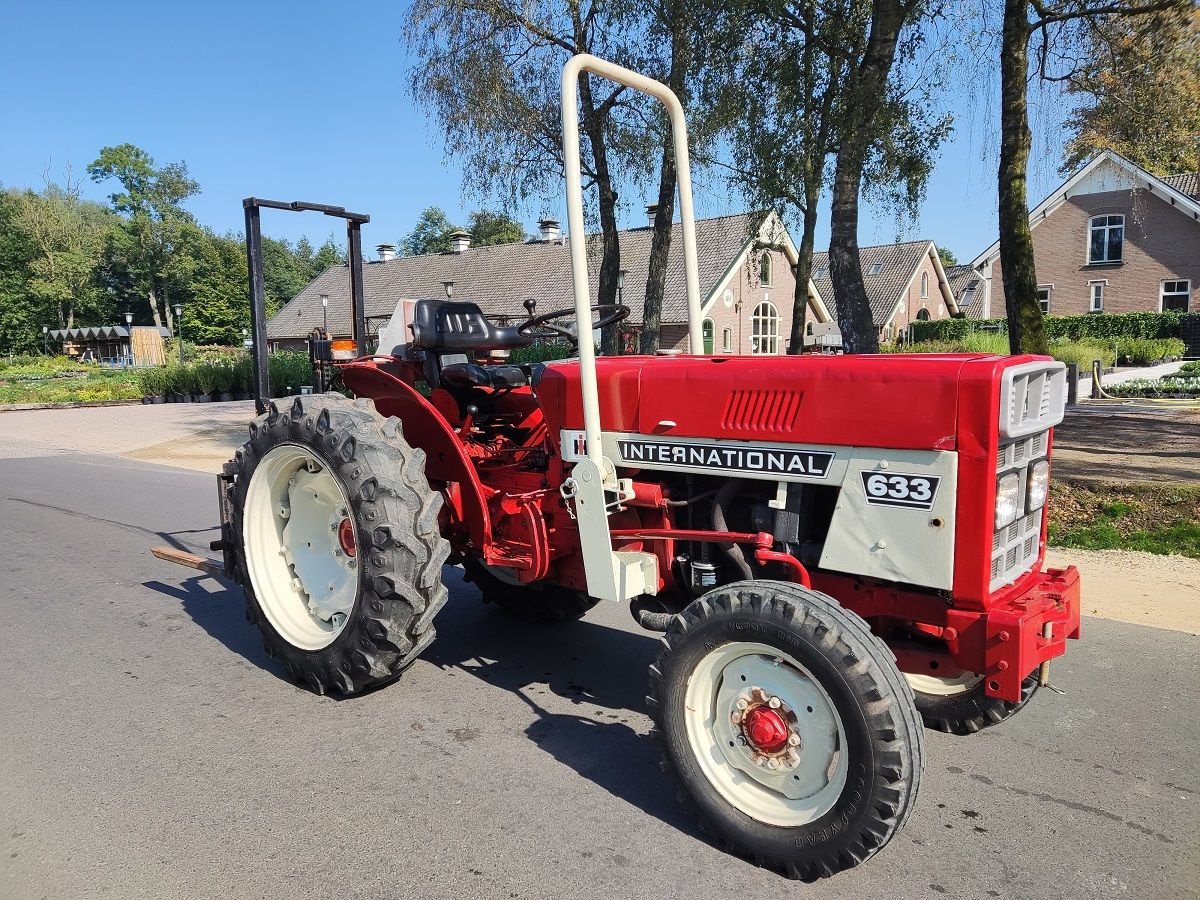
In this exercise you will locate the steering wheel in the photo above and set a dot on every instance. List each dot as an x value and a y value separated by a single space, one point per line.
540 325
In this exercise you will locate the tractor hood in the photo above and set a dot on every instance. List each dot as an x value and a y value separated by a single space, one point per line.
903 401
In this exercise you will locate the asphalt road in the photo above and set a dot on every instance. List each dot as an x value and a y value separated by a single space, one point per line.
148 748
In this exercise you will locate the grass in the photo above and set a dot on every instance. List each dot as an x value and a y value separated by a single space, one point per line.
1155 518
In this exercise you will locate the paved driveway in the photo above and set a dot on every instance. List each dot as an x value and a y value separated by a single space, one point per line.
148 748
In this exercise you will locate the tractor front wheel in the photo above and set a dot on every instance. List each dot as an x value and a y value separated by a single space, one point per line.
336 540
789 726
958 704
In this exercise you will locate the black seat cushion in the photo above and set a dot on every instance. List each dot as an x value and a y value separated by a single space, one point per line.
461 325
462 375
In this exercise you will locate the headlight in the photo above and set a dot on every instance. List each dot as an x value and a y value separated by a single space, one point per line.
1038 484
1008 491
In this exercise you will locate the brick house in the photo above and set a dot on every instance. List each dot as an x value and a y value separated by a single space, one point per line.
1112 238
746 284
905 282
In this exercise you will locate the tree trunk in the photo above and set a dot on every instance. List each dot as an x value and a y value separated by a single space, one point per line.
152 302
866 102
1026 327
610 262
804 260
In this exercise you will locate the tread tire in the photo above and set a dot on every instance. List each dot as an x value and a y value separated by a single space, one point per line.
396 519
883 731
971 711
547 604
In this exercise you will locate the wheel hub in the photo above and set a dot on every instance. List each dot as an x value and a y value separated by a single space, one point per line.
768 731
765 729
346 537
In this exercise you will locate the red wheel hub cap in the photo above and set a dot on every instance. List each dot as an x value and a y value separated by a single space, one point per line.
346 537
765 729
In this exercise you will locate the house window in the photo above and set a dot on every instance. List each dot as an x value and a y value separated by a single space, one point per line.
1175 295
706 330
1044 298
818 274
808 328
876 269
764 270
1096 288
1107 239
727 340
764 328
922 315
924 285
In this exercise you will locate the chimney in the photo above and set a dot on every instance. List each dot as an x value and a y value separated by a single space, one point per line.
387 252
651 213
550 231
459 241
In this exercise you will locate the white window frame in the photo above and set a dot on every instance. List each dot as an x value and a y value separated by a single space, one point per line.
876 269
726 339
924 285
764 268
1186 293
1045 304
1092 296
764 329
1108 226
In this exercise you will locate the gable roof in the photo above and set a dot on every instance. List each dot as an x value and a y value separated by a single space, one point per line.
896 265
1162 188
966 285
1187 184
502 277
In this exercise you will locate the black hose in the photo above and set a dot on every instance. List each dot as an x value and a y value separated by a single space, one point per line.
733 551
654 621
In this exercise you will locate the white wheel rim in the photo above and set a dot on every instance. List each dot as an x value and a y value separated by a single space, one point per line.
939 686
305 583
808 776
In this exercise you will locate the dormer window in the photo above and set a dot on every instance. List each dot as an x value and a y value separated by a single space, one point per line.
1107 242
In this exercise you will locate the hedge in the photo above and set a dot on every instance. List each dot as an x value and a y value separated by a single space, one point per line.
1105 326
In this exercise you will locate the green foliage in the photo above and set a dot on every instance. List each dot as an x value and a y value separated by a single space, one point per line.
1190 368
543 352
65 382
289 371
1167 387
1106 326
431 234
491 228
947 257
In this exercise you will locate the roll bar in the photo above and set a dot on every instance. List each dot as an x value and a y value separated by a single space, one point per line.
585 62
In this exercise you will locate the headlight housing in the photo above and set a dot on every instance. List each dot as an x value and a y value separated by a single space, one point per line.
1037 485
1008 496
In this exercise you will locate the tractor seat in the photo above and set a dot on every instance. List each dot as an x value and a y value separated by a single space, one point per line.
461 325
468 375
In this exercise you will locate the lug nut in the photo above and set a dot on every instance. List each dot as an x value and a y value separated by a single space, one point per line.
742 704
774 703
772 764
794 740
741 741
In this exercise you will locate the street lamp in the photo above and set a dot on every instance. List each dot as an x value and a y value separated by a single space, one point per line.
46 340
449 286
178 307
129 335
325 313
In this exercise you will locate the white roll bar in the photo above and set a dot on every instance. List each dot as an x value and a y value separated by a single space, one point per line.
579 266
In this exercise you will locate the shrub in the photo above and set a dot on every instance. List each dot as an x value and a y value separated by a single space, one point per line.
153 382
1082 354
1106 326
289 371
1190 368
1168 386
543 352
1140 351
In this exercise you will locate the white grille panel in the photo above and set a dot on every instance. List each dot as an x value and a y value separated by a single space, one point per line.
1015 547
1033 397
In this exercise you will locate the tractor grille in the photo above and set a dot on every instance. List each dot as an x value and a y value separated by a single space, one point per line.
761 411
1033 397
1015 547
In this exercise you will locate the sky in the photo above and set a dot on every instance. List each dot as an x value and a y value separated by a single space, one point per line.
308 101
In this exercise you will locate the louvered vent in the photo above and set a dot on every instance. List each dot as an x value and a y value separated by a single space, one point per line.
1033 397
761 411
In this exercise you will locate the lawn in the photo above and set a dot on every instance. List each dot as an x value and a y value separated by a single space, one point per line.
1156 518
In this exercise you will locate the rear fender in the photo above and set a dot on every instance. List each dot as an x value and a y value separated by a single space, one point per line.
424 427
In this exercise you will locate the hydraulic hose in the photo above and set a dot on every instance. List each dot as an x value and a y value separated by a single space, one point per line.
727 492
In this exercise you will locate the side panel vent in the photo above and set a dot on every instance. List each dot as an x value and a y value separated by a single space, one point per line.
1033 397
761 411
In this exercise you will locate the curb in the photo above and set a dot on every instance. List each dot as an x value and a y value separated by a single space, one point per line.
23 407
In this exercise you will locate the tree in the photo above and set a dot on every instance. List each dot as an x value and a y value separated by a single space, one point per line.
431 234
20 320
488 70
151 200
491 228
1141 92
329 254
887 137
1059 27
947 257
68 236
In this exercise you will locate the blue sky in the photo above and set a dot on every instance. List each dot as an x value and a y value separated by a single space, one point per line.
309 101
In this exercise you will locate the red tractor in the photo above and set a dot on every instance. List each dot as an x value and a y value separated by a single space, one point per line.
835 547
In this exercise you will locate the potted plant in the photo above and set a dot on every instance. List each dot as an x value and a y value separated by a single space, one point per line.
224 377
153 382
202 382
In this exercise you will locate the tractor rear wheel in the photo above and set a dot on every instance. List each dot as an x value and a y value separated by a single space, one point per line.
542 603
336 542
958 705
788 725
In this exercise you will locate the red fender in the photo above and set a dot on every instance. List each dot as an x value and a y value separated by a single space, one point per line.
424 427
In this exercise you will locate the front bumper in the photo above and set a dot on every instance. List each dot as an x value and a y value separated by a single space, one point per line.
1018 632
